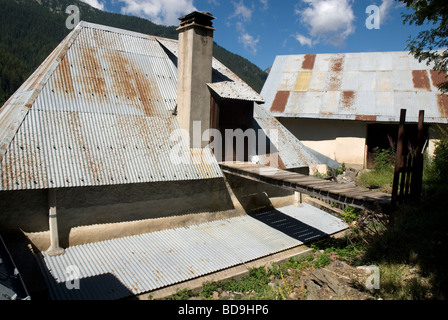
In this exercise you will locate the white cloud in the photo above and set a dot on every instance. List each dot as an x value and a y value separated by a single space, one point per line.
241 11
264 4
385 8
249 42
304 41
165 12
95 3
243 14
328 20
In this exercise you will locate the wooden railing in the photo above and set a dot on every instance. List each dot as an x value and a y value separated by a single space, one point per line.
408 175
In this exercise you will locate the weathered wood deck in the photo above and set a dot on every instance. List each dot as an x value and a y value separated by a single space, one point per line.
350 195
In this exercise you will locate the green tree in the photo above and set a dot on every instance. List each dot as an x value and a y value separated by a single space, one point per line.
429 45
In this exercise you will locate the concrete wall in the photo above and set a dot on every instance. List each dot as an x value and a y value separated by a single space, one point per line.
100 213
343 141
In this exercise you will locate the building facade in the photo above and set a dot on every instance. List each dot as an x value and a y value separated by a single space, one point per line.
346 105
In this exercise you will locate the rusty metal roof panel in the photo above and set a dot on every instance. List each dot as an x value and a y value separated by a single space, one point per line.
354 86
102 115
17 106
58 149
269 89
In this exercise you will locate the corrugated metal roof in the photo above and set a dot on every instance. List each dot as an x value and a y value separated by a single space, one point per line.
235 90
12 286
354 86
98 111
292 152
224 82
118 268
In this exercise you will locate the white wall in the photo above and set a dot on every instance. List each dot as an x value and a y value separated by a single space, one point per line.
343 141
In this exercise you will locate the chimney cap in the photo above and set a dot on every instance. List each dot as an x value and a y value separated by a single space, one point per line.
202 18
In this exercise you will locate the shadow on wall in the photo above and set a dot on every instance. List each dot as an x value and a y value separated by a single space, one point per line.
88 206
255 196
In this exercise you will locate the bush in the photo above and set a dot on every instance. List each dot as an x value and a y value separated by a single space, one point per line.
440 161
350 214
382 175
384 159
322 261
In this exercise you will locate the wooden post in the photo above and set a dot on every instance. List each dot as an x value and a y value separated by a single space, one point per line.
399 157
417 170
54 249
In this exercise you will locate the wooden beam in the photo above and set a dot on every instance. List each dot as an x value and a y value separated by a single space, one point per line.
319 188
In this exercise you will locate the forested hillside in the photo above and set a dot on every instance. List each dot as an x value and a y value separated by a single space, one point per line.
31 29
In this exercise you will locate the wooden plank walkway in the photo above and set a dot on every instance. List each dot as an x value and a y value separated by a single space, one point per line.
349 195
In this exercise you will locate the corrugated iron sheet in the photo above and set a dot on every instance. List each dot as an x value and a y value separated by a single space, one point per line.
291 151
354 86
17 106
103 116
224 82
235 90
118 268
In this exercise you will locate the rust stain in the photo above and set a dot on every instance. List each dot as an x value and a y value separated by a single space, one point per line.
421 80
92 163
148 93
438 77
348 98
308 62
337 63
365 118
120 73
279 104
133 85
442 104
335 75
65 80
103 40
94 82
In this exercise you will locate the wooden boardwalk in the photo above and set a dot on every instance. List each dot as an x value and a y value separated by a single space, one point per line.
344 194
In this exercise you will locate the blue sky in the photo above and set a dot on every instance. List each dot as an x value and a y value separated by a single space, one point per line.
259 30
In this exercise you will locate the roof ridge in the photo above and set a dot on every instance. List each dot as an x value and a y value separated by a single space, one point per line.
85 24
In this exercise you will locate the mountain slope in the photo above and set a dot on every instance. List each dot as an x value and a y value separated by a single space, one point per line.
31 29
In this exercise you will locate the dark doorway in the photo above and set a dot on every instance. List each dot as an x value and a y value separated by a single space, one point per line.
384 136
231 114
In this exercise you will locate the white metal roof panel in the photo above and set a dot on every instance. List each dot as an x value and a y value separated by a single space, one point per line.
122 267
235 90
291 151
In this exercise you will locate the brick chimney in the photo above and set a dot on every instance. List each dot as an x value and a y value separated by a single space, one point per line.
194 72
